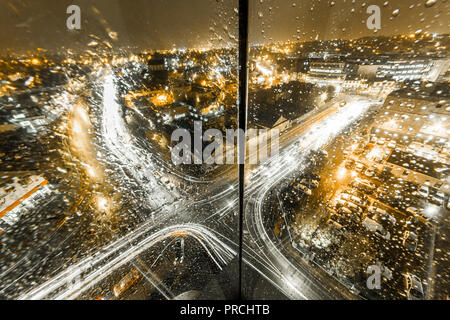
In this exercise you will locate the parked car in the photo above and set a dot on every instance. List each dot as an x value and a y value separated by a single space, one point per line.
337 221
348 214
410 240
438 197
386 217
310 183
412 210
312 176
345 211
345 196
304 189
411 222
354 208
376 228
424 191
374 209
359 167
341 203
392 144
363 185
358 201
350 164
357 193
369 172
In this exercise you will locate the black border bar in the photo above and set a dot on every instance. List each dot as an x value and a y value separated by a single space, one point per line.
242 110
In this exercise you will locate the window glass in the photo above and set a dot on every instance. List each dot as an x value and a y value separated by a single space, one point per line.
105 191
354 202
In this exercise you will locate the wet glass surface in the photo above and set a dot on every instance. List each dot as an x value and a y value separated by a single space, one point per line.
119 174
355 203
92 205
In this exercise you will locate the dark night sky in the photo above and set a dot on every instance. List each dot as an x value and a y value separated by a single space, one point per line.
160 24
319 18
146 24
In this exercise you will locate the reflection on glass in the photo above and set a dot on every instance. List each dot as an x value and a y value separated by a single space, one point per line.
92 204
118 157
355 204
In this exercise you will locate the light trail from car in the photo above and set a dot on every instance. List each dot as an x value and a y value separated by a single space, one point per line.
291 158
97 267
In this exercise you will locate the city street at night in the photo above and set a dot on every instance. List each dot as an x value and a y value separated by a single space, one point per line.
150 155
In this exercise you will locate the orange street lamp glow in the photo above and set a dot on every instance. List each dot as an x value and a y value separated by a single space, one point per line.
342 172
102 204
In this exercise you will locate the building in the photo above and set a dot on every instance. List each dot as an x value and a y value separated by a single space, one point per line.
324 55
16 196
158 69
174 112
368 71
327 70
201 96
417 125
328 73
414 117
444 76
407 70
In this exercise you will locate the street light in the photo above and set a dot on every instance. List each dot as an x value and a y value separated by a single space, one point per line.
431 211
102 204
342 172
